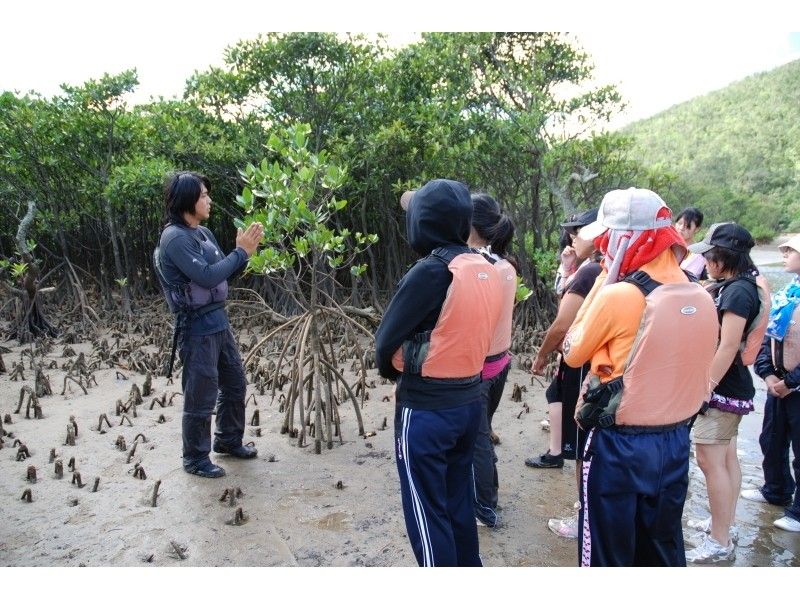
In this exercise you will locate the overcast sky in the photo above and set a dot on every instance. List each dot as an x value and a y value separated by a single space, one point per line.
657 56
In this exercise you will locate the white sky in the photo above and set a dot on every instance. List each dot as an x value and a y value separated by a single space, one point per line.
658 53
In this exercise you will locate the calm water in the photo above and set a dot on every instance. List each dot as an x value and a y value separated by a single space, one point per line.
775 275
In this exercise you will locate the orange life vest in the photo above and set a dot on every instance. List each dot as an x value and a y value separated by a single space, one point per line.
501 341
461 339
666 375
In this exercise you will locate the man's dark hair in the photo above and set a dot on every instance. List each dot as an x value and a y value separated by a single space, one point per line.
181 192
735 262
691 216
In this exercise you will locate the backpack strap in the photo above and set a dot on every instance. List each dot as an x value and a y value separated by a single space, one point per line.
642 281
690 276
647 285
447 255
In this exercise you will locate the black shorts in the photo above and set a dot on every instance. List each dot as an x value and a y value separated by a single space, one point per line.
564 389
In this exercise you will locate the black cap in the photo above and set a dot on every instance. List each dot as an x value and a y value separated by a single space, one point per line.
581 219
727 235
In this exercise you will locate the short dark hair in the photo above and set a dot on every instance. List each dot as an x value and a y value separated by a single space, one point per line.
735 262
564 240
181 192
491 223
691 216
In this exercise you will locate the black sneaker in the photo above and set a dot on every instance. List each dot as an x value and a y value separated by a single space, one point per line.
545 461
206 469
241 451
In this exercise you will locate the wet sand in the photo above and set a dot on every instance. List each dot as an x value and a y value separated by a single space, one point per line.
296 514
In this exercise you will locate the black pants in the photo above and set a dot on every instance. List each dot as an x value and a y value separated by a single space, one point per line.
781 428
565 388
484 464
212 375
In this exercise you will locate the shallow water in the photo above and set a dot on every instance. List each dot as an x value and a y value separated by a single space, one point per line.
775 275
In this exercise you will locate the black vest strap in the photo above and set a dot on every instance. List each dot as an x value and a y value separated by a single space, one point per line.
182 319
642 281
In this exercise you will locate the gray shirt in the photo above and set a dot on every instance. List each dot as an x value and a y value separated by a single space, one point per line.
192 255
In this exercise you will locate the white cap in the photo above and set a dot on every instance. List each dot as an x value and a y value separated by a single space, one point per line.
627 209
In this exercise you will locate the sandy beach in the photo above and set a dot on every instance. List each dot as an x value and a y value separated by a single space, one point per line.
340 508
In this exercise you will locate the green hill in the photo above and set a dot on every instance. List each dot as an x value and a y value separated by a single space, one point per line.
735 152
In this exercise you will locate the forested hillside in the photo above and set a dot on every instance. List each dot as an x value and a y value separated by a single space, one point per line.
735 152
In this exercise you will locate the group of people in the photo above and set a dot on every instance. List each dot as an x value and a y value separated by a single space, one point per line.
747 321
645 353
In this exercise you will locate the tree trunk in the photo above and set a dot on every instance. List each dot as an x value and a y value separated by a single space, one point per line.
120 273
30 322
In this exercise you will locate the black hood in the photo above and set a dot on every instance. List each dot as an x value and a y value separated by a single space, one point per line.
439 214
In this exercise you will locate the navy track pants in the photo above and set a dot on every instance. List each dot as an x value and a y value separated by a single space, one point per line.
433 451
633 489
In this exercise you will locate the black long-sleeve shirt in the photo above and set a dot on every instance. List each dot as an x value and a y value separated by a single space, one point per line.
438 215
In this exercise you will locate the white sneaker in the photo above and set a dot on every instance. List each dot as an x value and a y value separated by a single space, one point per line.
701 525
704 525
753 494
565 528
788 524
711 551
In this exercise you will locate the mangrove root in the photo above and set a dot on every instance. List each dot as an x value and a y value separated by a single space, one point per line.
138 472
180 550
154 500
103 417
22 452
239 518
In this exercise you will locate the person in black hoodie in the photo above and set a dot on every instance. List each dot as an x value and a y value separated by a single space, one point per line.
432 341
